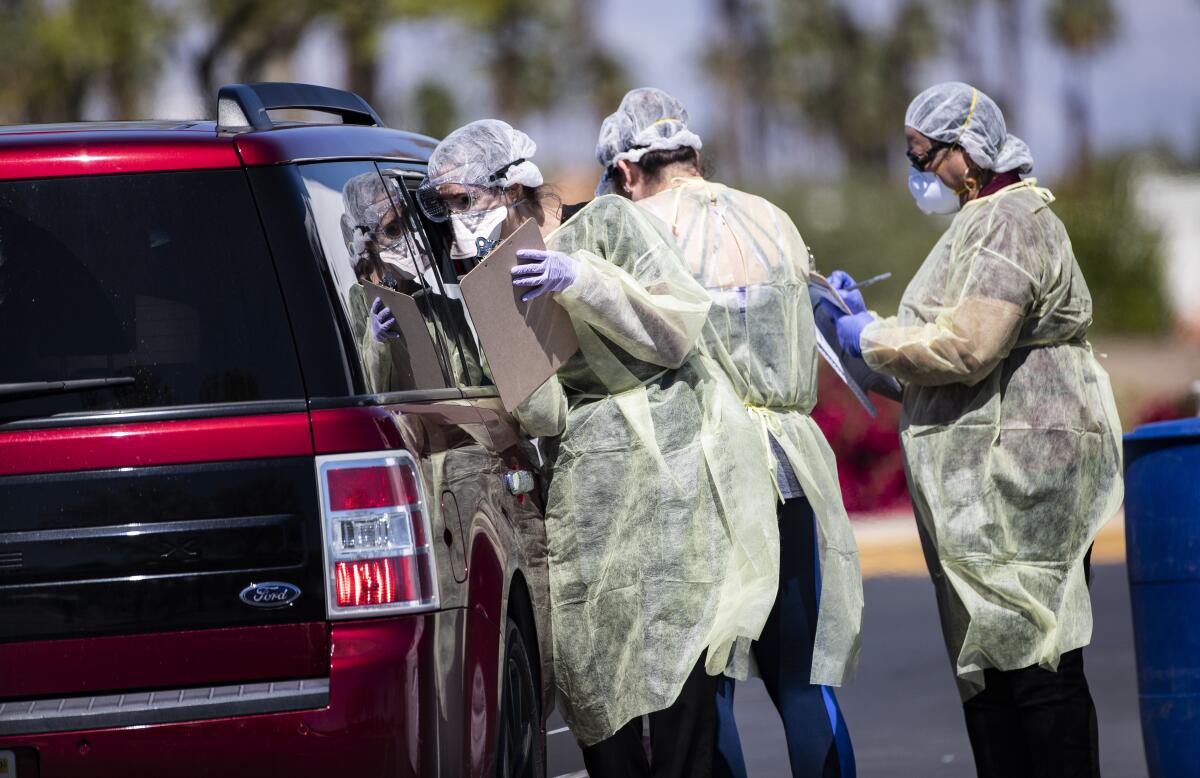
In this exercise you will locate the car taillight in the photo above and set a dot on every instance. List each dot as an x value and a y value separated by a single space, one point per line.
377 553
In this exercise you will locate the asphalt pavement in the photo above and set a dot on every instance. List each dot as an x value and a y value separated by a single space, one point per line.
903 710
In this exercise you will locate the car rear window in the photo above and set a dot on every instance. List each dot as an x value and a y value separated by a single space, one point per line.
163 278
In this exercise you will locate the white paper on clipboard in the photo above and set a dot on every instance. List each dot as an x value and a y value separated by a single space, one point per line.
853 371
819 289
830 355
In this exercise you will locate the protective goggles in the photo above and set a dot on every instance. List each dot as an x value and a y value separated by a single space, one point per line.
444 200
382 224
465 198
920 162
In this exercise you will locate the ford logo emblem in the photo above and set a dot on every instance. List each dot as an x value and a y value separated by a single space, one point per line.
272 594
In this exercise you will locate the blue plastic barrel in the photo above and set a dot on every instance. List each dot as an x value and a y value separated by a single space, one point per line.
1162 534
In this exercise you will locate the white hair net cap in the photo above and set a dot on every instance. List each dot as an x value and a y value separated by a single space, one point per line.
648 119
955 112
487 152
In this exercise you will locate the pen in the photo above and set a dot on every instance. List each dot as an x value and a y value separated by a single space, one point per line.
868 282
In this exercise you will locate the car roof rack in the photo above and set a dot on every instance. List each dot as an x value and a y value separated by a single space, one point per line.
244 106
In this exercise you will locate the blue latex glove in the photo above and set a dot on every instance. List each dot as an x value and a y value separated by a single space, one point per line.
551 271
849 332
382 321
841 281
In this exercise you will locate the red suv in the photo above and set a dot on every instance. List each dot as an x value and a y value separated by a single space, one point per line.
241 537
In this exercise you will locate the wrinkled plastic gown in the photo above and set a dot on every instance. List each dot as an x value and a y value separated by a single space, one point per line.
659 477
750 257
1010 432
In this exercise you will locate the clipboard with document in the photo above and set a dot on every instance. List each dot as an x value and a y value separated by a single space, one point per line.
853 371
415 361
524 343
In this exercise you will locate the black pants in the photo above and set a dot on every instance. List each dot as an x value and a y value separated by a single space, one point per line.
681 738
1034 723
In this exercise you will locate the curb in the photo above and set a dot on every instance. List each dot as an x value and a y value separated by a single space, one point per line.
888 544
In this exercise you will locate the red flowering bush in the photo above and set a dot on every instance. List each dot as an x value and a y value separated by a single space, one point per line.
870 466
1165 409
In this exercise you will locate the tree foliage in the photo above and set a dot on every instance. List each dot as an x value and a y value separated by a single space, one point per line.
815 61
55 55
535 52
1082 26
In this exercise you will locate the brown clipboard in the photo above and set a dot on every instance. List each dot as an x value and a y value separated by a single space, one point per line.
525 343
415 359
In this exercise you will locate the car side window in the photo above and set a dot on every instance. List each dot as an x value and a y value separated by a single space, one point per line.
123 292
378 260
469 368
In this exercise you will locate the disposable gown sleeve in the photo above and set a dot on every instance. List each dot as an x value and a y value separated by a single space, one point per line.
544 413
991 282
633 286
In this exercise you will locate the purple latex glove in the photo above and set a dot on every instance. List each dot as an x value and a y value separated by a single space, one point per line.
849 332
841 281
382 321
552 271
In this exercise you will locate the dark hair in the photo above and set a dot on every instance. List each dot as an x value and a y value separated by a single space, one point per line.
546 196
654 163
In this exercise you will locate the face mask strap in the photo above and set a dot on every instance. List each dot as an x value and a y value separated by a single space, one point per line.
958 141
499 174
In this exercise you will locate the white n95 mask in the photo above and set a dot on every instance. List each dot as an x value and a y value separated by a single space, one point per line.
401 257
931 195
468 227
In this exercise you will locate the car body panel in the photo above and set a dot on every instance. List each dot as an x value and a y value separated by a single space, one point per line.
117 150
163 659
325 142
385 704
73 449
416 694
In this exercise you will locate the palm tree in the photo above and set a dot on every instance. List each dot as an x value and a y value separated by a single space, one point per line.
1081 27
248 36
966 51
538 51
741 61
1012 44
360 25
596 72
851 82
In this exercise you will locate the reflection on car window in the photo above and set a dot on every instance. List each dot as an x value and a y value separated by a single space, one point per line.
371 240
470 369
164 278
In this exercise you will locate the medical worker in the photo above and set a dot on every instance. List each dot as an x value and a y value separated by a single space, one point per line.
384 251
750 258
381 252
661 571
1010 435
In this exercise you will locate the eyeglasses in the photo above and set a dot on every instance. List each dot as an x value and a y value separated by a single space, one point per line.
443 200
920 162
